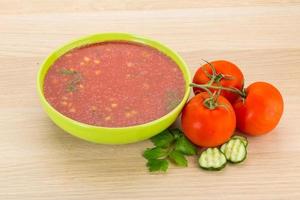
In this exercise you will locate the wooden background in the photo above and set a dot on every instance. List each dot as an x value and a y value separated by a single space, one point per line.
40 161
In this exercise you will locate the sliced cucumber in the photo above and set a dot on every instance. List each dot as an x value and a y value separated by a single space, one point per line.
234 150
212 159
223 147
242 138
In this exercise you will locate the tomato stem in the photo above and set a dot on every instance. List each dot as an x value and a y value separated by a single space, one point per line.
212 76
214 72
211 102
208 86
202 87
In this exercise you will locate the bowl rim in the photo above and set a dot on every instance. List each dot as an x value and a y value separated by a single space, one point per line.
133 38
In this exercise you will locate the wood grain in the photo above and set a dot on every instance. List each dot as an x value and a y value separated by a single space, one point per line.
40 161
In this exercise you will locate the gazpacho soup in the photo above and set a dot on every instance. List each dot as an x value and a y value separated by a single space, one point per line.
114 84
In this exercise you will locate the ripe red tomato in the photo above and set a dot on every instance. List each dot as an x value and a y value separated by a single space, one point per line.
222 67
208 127
260 111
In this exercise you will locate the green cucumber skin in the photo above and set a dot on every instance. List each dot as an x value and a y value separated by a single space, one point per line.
228 159
223 147
236 162
243 139
213 168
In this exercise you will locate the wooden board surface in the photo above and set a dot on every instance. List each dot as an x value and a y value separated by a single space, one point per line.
40 161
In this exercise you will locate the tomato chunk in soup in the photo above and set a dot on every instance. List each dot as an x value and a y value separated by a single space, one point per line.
114 84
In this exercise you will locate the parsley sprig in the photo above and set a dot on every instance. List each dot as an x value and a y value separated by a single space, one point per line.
170 145
76 78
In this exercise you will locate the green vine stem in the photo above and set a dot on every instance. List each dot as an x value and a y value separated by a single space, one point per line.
230 89
215 77
203 87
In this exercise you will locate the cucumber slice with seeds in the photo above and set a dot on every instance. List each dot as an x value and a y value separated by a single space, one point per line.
212 159
242 138
235 150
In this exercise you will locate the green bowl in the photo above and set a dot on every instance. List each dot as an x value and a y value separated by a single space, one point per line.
106 135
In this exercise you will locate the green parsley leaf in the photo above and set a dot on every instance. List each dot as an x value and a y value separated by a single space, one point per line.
169 145
184 146
154 153
178 158
72 85
164 139
157 165
177 133
71 88
65 71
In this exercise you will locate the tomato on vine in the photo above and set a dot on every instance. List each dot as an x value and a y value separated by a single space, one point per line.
260 110
220 73
208 120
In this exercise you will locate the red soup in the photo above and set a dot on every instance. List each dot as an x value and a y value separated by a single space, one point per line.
114 84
